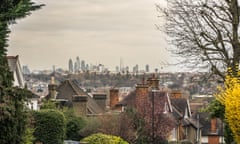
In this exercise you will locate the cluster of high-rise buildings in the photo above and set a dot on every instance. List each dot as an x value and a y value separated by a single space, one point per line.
77 66
135 69
81 66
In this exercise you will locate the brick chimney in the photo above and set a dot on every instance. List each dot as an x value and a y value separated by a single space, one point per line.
114 97
213 125
52 89
176 94
153 82
100 98
79 104
213 137
142 93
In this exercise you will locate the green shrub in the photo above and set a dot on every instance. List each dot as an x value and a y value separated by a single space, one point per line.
49 126
73 127
28 137
91 127
100 138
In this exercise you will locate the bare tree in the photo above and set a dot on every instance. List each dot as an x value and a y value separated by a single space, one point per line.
204 32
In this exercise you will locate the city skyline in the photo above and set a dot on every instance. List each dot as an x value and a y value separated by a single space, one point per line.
76 65
98 31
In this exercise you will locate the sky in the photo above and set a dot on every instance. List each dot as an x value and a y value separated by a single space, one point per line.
98 31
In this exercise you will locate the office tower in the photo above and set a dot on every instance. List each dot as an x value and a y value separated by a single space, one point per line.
75 68
26 70
78 64
147 68
70 66
117 69
83 65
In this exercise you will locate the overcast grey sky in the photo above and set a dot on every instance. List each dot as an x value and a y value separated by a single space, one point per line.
98 31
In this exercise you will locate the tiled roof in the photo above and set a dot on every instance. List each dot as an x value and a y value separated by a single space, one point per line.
129 99
181 107
69 88
194 122
160 98
180 104
176 113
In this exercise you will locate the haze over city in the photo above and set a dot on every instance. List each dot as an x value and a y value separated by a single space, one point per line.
98 31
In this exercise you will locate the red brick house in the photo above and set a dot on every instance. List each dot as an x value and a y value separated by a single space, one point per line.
186 127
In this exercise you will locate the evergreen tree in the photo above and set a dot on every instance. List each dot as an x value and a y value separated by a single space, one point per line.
12 111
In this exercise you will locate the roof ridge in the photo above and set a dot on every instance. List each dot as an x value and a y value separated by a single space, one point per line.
72 85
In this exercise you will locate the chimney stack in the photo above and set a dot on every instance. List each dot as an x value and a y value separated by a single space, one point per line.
176 94
142 93
213 125
52 88
153 82
100 98
79 104
114 97
213 137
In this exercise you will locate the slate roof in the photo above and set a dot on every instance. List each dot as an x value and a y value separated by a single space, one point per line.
69 88
160 97
180 105
129 100
193 122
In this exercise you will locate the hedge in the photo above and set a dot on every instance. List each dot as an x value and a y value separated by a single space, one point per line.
49 126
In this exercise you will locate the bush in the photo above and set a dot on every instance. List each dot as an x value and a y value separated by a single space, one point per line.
49 126
28 137
73 127
100 138
91 127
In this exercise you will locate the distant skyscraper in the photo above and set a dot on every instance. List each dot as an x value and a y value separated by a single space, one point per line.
75 68
87 67
78 64
147 68
121 65
117 69
26 70
100 67
83 66
70 66
54 68
135 69
127 69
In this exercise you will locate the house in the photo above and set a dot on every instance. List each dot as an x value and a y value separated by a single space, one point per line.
174 105
33 101
69 93
212 128
18 81
188 128
15 68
